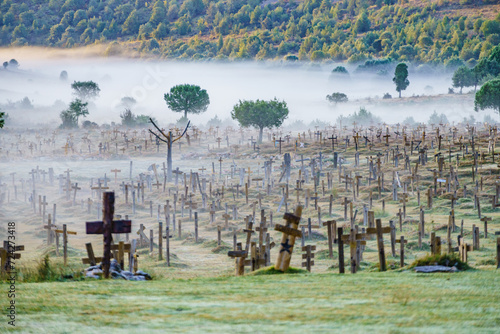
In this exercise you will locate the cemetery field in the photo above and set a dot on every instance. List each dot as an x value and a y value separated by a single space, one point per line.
390 302
348 210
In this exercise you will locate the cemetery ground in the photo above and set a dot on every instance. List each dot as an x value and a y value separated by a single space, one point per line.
428 185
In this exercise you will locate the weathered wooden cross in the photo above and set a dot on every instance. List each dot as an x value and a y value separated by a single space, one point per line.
290 232
108 226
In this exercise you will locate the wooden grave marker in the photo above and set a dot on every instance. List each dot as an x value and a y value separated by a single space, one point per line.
108 226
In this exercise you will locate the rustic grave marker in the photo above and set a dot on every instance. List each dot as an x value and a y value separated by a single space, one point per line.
308 256
402 242
290 232
108 226
65 233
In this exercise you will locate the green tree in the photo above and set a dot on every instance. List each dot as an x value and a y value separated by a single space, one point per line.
463 77
488 96
68 119
363 23
85 90
401 78
128 118
340 70
187 99
2 119
260 114
131 24
337 98
78 108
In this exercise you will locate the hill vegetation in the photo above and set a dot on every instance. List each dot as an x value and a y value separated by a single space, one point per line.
444 31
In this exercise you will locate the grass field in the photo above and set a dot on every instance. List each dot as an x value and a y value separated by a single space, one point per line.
391 302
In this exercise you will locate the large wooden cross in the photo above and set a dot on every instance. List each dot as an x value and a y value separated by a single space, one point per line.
379 231
290 232
108 226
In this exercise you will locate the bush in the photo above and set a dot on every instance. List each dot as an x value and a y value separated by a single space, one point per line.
387 96
362 117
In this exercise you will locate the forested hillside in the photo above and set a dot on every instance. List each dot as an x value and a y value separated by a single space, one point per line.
354 30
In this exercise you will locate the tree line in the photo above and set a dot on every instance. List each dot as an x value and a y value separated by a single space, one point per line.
345 30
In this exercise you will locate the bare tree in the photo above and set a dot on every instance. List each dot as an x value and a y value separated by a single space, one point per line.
169 139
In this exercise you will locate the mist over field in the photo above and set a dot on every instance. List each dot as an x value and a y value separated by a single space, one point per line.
303 86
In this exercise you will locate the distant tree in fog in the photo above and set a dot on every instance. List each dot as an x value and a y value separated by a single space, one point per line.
2 119
463 77
187 99
85 90
260 114
401 77
128 118
488 96
5 64
340 70
70 116
128 102
63 76
13 63
337 98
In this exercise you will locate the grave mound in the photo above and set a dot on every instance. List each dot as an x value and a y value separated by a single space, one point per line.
446 260
271 271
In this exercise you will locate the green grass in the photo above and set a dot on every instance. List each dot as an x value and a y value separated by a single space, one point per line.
390 302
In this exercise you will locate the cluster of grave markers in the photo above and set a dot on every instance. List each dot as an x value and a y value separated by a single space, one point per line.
385 147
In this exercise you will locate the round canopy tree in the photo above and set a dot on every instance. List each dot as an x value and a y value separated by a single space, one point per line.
85 90
401 77
260 114
187 99
488 96
337 98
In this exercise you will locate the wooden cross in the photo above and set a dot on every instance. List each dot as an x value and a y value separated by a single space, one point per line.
331 226
386 139
50 232
356 140
486 220
144 239
91 259
463 249
240 256
99 188
108 226
290 232
353 238
7 254
402 241
308 256
226 219
379 231
333 139
65 233
280 141
75 188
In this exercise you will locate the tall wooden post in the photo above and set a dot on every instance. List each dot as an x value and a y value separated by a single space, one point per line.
108 212
380 244
340 243
160 241
65 244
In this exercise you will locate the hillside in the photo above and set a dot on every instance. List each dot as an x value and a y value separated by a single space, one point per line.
437 32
